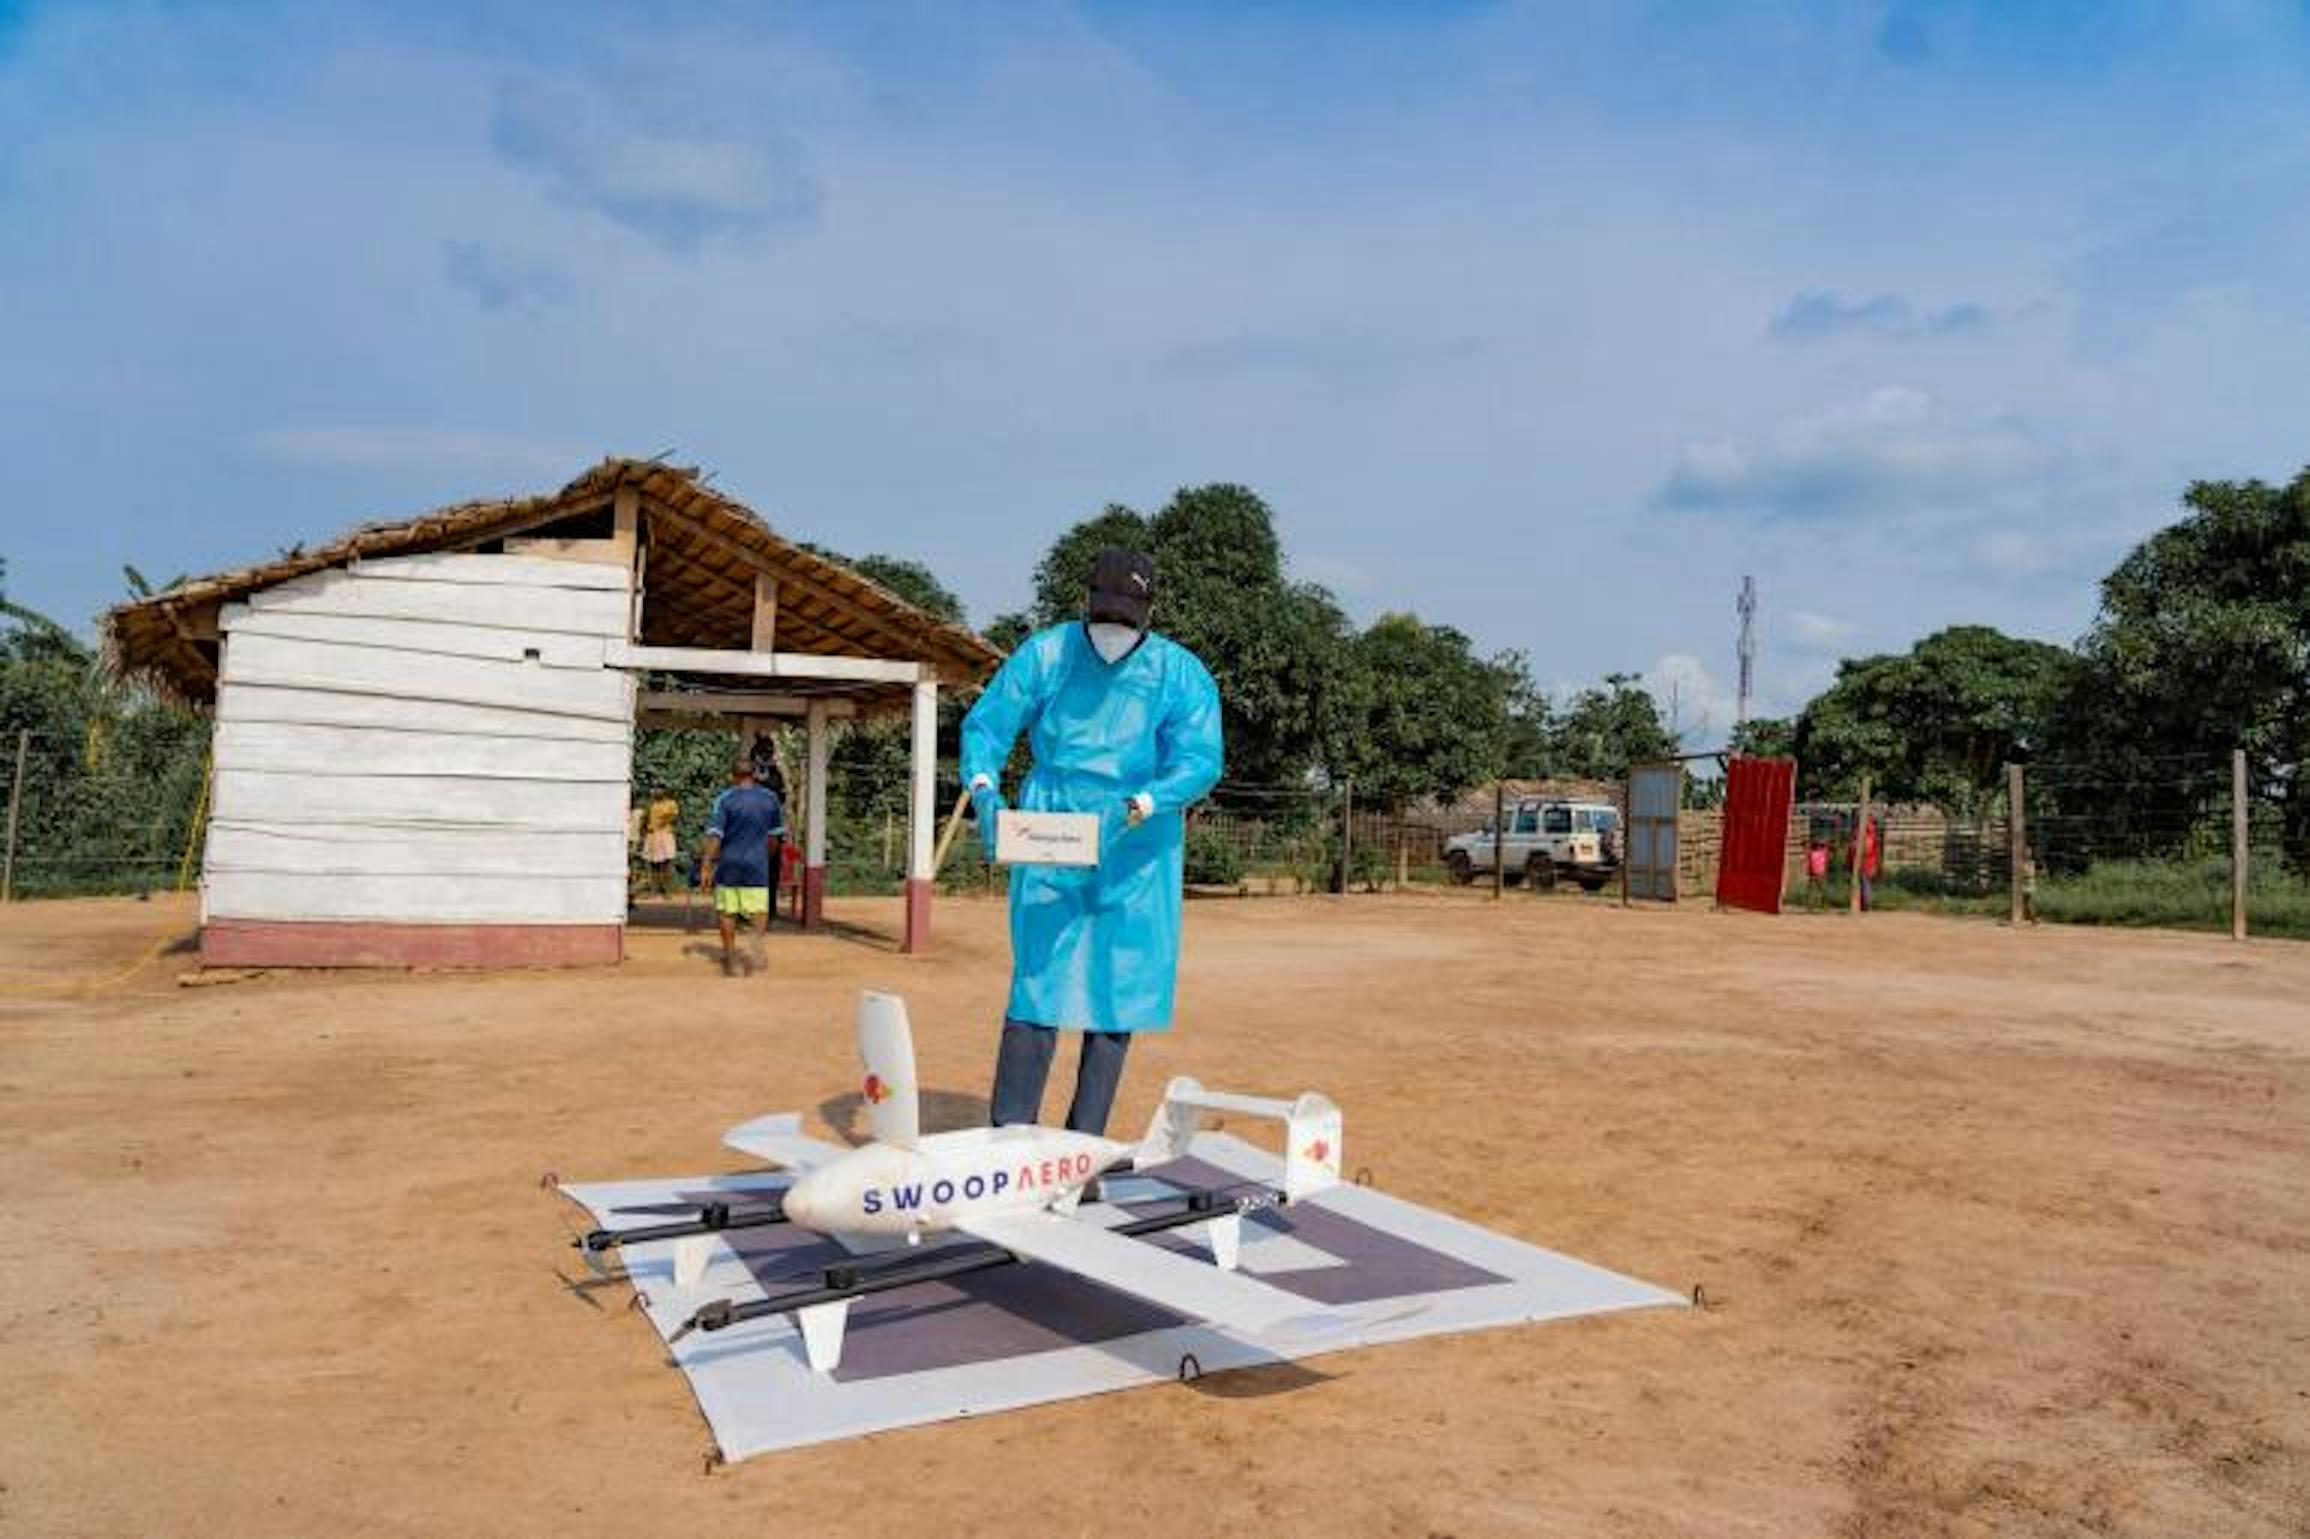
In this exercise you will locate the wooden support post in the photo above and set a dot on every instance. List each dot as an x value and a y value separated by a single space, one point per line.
15 811
921 817
765 636
1347 804
814 815
2239 809
1499 839
1860 848
2016 844
639 598
1627 830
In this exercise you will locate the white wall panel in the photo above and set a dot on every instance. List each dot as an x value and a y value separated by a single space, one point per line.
386 749
577 611
301 664
328 708
290 747
350 849
517 571
436 801
508 898
553 649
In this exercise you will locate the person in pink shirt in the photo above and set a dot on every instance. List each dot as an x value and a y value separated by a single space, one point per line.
1817 874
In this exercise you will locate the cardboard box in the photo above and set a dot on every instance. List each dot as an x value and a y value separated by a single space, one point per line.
1046 838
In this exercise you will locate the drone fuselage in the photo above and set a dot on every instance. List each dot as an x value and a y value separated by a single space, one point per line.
895 1190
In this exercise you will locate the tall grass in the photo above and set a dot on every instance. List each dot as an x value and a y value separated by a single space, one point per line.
2173 894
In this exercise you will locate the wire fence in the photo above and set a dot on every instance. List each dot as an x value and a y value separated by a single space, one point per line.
89 815
2146 840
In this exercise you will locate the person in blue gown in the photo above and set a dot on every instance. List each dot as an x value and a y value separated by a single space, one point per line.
1122 723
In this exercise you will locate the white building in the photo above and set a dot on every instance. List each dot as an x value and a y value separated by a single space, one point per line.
424 730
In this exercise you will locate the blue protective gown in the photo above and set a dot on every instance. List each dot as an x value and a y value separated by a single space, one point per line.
1097 948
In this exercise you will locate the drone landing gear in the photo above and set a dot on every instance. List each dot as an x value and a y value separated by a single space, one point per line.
822 1311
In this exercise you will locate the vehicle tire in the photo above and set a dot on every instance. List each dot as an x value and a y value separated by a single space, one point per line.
1542 872
1462 869
1592 884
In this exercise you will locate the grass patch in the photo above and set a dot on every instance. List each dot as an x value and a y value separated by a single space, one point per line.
2166 894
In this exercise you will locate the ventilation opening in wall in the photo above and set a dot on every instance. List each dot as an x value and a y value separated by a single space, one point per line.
531 655
593 524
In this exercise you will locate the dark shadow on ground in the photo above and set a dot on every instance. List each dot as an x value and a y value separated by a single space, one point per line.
1257 1383
943 1111
661 914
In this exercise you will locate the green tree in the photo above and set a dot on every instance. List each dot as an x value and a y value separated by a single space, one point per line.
1277 648
910 580
113 773
1765 737
1606 728
1422 715
2202 645
1935 724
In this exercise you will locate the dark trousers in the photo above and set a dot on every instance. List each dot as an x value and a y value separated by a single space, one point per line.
1023 1067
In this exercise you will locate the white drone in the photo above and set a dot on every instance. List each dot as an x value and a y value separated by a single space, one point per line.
1017 1189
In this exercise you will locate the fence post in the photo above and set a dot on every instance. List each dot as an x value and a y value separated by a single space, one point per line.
1499 838
2016 842
2237 844
1860 847
1347 808
15 806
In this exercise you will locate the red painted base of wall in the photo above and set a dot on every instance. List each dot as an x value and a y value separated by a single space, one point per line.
813 896
360 943
917 915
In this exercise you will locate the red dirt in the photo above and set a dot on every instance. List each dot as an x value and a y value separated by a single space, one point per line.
1999 1233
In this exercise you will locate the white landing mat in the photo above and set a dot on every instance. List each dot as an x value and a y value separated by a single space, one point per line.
1023 1334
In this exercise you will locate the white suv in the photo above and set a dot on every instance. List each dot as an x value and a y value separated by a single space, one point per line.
1546 840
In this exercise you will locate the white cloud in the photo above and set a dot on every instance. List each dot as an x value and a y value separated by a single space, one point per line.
1700 706
1818 632
1817 314
505 279
1892 451
1337 573
675 185
406 448
2010 553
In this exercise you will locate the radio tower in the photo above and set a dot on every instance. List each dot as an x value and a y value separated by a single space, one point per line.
1748 613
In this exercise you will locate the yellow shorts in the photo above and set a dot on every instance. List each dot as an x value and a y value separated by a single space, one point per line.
741 900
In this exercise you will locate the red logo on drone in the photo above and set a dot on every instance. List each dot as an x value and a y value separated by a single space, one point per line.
1320 1152
875 1091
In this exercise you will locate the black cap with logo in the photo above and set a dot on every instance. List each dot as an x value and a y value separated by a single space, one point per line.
1122 587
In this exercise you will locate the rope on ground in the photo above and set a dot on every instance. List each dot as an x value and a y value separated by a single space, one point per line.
160 942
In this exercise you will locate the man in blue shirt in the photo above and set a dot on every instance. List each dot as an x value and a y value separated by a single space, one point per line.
736 869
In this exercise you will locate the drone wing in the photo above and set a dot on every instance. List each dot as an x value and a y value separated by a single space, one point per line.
780 1141
1178 1283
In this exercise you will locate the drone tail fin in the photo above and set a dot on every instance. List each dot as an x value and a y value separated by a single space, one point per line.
1311 1157
886 1049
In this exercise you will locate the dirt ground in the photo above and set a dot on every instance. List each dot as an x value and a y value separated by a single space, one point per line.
1997 1233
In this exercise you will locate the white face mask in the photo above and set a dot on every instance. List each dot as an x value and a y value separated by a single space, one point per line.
1111 641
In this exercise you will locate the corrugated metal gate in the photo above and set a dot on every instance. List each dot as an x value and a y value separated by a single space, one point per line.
1750 869
1655 792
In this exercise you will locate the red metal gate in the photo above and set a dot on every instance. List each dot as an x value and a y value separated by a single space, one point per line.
1749 868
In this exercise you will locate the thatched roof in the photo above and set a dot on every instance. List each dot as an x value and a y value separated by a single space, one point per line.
704 551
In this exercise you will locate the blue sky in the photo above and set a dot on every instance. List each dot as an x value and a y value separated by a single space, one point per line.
1547 321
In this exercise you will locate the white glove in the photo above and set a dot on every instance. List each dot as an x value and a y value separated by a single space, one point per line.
1141 808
